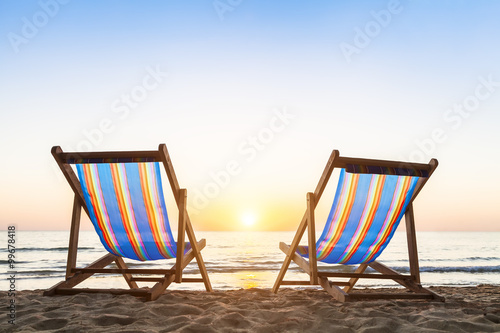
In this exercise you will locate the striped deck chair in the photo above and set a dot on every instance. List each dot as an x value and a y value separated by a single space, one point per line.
122 194
372 197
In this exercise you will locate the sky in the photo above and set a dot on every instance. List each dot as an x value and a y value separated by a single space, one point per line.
250 98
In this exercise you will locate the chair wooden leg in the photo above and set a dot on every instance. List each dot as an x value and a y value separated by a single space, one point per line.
128 277
408 283
77 278
333 290
163 284
73 236
197 253
352 281
311 239
412 243
181 234
290 253
159 288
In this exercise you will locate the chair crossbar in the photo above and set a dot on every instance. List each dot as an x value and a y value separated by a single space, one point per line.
110 157
139 292
365 276
124 271
342 162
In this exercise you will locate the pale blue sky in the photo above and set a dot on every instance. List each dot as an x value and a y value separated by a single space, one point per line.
220 77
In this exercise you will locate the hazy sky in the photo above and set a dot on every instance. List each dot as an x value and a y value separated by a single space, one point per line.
250 98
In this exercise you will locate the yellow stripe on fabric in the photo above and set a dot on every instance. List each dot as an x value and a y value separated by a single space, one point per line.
371 206
395 210
92 182
340 220
122 192
153 210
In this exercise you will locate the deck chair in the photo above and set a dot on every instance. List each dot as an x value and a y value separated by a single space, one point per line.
122 194
372 197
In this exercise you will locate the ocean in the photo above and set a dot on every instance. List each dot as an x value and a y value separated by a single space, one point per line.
237 260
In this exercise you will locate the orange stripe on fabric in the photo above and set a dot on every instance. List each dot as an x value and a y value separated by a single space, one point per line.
400 196
150 209
119 181
91 180
344 217
366 222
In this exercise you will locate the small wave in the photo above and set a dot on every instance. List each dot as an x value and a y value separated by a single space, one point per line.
16 262
465 269
481 258
453 269
40 273
467 259
51 249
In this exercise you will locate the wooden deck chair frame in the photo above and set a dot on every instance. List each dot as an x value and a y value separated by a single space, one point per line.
75 275
411 281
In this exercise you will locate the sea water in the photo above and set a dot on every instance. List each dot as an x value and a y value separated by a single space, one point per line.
237 260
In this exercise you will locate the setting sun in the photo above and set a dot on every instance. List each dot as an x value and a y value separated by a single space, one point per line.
248 219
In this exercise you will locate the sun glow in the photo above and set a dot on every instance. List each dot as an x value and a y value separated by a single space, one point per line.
248 219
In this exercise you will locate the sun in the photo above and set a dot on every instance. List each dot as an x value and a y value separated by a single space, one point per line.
248 219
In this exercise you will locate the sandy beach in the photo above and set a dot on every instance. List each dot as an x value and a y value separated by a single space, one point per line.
467 309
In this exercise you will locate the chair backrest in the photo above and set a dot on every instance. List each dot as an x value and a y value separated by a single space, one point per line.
126 206
368 206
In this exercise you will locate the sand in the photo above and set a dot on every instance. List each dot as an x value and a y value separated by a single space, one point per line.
467 309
